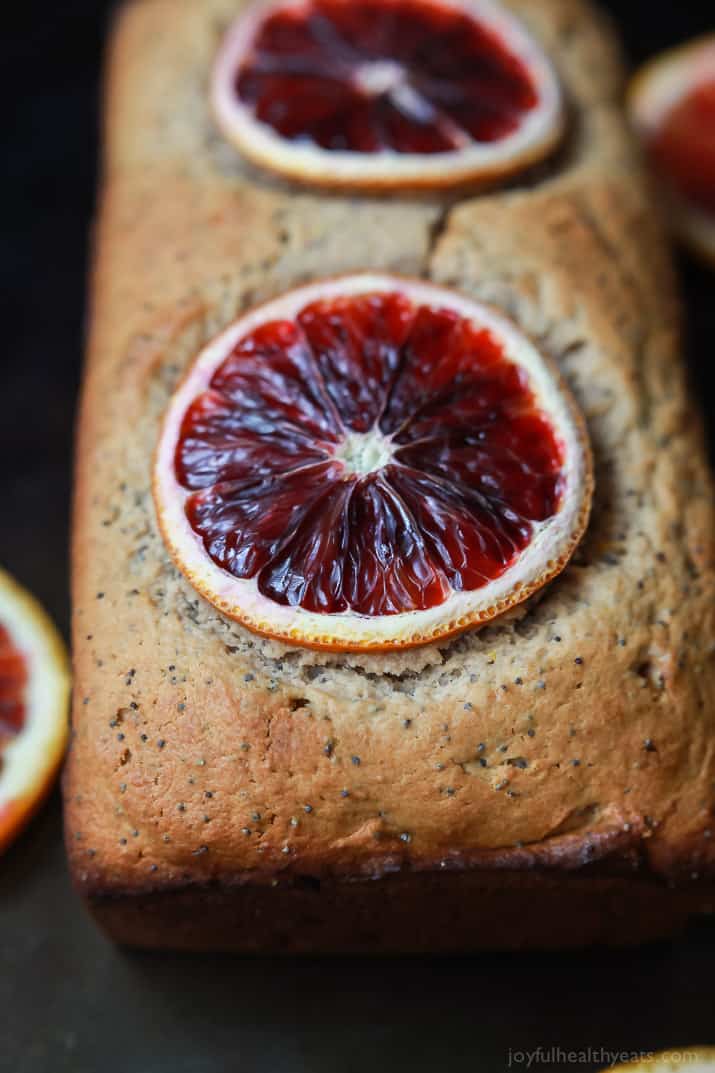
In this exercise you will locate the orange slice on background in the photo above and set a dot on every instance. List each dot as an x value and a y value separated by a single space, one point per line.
34 694
371 462
386 94
693 1059
672 105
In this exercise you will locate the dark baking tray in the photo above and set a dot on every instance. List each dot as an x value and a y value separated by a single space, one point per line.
68 1000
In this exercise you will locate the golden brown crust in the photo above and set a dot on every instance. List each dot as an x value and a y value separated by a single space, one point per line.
579 731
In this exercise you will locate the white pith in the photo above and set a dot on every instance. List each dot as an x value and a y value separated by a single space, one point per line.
656 91
238 598
45 727
379 77
538 130
364 452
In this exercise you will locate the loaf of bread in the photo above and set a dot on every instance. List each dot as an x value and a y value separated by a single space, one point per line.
546 781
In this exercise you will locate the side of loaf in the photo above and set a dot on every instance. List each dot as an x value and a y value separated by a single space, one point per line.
546 781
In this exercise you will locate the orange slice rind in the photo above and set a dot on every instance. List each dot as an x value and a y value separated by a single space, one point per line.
239 523
398 88
693 1059
30 753
660 87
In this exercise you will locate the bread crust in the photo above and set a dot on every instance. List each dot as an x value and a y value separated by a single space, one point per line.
208 764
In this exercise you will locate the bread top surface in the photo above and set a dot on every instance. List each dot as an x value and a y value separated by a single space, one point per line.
579 732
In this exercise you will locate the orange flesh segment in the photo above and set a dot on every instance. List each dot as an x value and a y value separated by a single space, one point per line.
464 462
409 76
13 682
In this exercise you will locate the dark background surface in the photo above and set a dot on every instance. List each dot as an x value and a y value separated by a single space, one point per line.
68 1000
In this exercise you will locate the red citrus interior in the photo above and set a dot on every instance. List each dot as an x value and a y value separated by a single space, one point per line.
683 148
371 454
13 683
411 76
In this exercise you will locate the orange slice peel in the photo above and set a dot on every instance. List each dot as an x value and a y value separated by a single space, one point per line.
34 692
370 463
386 94
693 1059
671 102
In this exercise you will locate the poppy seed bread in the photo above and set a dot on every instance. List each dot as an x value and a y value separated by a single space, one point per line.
547 781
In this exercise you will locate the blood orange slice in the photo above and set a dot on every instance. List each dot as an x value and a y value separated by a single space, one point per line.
693 1059
386 93
672 103
370 462
34 689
